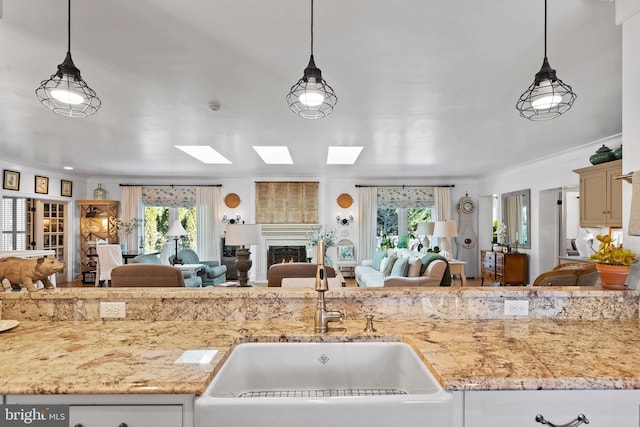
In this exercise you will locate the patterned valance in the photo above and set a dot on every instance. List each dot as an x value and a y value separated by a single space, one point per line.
405 197
183 197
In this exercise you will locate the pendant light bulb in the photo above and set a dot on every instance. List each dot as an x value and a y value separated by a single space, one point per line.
64 92
544 97
313 95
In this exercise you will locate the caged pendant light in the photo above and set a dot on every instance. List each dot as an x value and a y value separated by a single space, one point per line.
65 93
312 98
547 97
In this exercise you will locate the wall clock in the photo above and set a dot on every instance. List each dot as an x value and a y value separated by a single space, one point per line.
466 206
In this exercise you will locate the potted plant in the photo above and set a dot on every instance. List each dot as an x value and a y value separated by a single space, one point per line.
613 263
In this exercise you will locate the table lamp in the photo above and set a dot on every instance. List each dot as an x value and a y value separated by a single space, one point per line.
445 230
176 231
424 229
243 235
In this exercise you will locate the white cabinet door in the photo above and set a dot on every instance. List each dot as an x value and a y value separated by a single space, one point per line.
135 410
602 408
129 415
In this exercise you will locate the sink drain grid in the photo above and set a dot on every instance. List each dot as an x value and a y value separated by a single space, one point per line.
324 393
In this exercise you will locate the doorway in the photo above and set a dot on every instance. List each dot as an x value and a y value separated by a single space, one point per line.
35 224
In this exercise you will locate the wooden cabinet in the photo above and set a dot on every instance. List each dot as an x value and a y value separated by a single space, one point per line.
601 195
504 268
488 266
98 221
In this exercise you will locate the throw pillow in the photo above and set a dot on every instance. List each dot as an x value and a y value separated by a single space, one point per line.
345 253
400 267
377 258
383 264
392 260
414 268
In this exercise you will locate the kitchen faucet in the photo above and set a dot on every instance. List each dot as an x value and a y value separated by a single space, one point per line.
323 316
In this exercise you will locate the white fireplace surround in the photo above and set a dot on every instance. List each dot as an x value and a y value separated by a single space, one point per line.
278 235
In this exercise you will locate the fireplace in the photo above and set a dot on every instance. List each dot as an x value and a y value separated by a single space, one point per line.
291 237
278 254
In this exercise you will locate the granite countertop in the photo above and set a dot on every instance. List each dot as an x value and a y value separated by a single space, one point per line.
117 357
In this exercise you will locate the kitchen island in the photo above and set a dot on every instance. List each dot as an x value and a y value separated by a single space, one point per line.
574 351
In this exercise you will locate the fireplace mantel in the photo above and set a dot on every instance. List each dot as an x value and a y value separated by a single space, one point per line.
280 235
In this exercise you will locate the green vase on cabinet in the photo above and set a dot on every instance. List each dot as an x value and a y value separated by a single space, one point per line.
99 193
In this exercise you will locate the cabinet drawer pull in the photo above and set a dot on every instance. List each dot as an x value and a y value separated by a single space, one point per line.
575 423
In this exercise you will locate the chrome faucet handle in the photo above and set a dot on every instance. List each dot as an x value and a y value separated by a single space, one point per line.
369 326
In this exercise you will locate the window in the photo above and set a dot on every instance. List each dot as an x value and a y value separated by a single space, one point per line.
397 226
14 235
156 224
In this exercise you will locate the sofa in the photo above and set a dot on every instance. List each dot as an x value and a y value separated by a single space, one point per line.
212 273
190 279
146 275
402 267
277 272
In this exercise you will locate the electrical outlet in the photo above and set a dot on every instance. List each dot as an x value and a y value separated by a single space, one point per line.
516 307
112 310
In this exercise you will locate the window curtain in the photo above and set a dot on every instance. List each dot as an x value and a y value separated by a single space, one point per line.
442 206
405 197
208 201
131 208
367 219
512 216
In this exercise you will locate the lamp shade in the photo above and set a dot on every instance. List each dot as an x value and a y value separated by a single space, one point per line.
425 228
445 229
242 234
176 229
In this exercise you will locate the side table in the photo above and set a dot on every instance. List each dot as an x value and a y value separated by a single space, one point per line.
457 267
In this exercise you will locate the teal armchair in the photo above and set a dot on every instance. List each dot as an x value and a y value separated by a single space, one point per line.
212 273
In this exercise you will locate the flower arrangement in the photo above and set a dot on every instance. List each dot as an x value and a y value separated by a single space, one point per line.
326 234
612 254
501 232
125 228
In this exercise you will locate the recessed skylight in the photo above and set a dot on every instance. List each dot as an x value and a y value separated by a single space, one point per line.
68 168
274 155
343 155
204 153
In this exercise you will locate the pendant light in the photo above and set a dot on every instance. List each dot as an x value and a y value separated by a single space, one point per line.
547 98
312 98
65 93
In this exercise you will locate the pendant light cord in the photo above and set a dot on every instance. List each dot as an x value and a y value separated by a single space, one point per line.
69 26
311 27
545 28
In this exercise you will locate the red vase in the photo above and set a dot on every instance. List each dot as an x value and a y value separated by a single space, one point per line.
613 276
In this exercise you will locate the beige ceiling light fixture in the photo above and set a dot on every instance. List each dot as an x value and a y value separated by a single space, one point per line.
547 97
65 92
312 98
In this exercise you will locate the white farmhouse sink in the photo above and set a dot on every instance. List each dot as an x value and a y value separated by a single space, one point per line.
313 384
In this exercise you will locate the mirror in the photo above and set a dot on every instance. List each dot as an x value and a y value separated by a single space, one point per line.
516 208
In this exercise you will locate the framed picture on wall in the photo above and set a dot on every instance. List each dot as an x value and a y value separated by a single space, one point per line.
11 180
66 188
42 185
616 235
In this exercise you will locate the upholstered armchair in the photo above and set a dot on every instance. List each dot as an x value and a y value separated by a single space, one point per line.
569 274
212 273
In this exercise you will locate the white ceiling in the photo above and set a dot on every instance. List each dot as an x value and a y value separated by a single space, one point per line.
427 87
